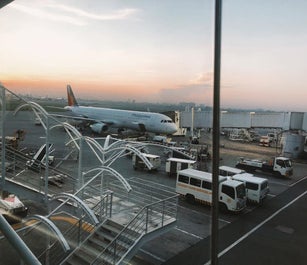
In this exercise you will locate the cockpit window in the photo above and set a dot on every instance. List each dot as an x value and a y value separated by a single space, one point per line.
166 121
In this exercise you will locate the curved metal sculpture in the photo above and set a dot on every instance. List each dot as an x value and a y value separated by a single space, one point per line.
54 228
101 169
77 200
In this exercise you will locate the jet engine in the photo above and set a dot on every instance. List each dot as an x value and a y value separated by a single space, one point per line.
99 127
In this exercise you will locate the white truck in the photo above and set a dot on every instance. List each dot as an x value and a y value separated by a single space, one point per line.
11 207
138 163
197 185
279 166
173 165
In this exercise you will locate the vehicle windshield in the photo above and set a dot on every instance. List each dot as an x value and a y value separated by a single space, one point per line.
241 191
288 163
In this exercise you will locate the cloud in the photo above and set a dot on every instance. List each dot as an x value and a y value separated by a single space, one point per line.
115 15
36 12
72 15
198 90
204 78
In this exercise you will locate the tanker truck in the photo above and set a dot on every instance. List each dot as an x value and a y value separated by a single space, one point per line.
279 166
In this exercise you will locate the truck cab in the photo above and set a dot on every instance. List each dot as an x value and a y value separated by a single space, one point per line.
283 166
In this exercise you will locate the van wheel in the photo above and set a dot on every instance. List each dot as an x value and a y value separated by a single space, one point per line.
190 198
223 207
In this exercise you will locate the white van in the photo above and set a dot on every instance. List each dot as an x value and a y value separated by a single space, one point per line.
229 171
173 165
256 188
196 185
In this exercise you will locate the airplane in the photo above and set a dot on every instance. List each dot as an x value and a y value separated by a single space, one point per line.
106 118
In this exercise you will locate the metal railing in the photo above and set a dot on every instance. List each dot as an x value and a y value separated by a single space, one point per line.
149 218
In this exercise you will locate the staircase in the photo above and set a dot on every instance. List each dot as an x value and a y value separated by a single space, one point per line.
107 245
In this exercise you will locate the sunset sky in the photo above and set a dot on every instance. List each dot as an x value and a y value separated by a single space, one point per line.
157 51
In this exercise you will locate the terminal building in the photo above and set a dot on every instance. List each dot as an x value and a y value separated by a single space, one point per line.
289 128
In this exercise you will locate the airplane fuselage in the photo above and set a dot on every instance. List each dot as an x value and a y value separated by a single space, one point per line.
135 120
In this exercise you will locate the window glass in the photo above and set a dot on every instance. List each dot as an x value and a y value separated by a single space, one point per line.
251 186
228 191
264 185
183 179
195 182
207 185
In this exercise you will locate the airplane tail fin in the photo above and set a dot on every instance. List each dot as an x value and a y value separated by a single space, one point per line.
71 97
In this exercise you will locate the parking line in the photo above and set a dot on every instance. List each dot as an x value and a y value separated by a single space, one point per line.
190 234
152 255
257 227
298 181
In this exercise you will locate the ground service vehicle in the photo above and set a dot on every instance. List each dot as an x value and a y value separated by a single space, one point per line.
138 163
256 188
173 165
11 207
196 185
229 171
39 158
280 166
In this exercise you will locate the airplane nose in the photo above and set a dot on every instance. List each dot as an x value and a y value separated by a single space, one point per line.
173 129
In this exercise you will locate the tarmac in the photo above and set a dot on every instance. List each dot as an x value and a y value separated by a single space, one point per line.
272 233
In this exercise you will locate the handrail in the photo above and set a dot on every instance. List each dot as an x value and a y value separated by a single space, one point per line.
134 220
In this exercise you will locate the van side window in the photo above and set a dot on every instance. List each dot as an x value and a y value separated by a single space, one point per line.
251 186
195 182
206 185
183 179
228 191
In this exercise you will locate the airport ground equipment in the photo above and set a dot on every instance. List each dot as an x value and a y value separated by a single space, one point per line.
256 188
197 185
280 166
138 162
173 165
227 171
39 158
11 207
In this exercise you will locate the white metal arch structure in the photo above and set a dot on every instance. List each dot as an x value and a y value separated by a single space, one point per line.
36 109
77 200
101 169
70 129
53 228
122 149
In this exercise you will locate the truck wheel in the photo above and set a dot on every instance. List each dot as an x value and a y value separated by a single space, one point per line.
190 198
223 207
134 167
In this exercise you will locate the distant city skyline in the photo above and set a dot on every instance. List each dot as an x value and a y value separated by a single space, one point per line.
157 51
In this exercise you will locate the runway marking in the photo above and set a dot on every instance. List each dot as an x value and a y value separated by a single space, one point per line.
152 255
19 173
257 227
298 181
271 195
190 234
